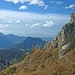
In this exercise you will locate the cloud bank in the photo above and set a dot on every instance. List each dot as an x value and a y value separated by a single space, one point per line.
31 24
30 2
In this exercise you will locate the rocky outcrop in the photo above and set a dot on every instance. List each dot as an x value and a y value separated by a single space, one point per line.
72 18
65 40
52 44
4 63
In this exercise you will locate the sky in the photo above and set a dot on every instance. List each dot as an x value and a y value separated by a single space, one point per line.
37 18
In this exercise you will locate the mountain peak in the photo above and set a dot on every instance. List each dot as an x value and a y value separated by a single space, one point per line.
72 17
65 40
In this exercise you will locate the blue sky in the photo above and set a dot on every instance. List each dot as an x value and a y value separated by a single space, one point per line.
37 18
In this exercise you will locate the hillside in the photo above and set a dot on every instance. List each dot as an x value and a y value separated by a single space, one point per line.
56 58
27 45
15 39
5 43
44 63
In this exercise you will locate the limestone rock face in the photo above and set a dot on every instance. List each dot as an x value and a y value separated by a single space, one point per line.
65 40
4 63
72 17
52 44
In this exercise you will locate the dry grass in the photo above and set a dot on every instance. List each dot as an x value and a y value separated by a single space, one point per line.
45 62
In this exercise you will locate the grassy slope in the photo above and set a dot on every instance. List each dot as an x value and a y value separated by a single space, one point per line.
44 62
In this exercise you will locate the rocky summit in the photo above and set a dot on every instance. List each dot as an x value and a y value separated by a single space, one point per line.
65 40
72 17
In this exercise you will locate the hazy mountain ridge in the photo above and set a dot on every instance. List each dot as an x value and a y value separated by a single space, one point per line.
27 45
5 43
15 39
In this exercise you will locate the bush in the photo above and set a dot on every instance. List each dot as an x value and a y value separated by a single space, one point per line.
32 51
12 69
54 74
2 73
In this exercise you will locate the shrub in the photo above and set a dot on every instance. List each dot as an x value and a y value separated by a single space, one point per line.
12 69
54 74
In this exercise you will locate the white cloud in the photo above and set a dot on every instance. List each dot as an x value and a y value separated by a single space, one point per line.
48 24
7 25
70 6
28 17
23 7
26 25
36 24
26 20
56 2
4 26
14 1
18 21
38 2
59 2
46 6
51 1
10 21
30 2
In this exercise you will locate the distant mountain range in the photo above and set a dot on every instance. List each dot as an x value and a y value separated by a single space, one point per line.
7 41
18 50
48 39
15 38
10 40
32 42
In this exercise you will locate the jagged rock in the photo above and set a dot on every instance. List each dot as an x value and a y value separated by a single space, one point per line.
65 40
72 18
4 63
52 44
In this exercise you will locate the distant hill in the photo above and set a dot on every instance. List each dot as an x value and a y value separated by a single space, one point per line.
10 40
32 42
15 39
5 43
19 49
48 39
